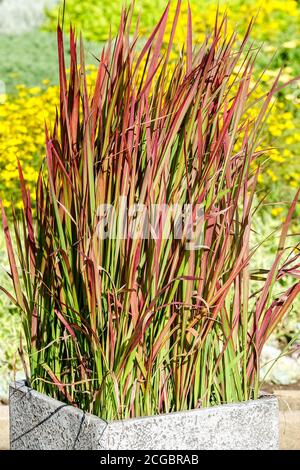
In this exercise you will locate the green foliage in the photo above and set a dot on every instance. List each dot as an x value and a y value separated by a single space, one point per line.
95 18
31 58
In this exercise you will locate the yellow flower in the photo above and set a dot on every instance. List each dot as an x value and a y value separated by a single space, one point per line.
274 130
276 211
272 175
22 136
34 90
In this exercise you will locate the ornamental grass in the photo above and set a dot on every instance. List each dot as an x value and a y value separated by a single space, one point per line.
123 325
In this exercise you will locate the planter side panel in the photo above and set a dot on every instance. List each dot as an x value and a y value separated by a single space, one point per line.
248 425
39 422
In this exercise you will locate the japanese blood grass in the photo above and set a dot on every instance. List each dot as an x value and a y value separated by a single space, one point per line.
135 327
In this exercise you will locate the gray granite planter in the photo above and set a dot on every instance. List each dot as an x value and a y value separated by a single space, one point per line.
40 422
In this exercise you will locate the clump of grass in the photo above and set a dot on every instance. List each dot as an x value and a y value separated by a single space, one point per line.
133 326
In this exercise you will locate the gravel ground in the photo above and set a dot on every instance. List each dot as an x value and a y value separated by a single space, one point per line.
4 428
20 16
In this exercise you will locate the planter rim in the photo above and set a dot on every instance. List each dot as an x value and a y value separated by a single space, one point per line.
23 387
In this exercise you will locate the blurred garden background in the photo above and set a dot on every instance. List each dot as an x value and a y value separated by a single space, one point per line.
29 95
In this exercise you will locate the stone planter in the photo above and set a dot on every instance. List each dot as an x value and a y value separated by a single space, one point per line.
40 422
